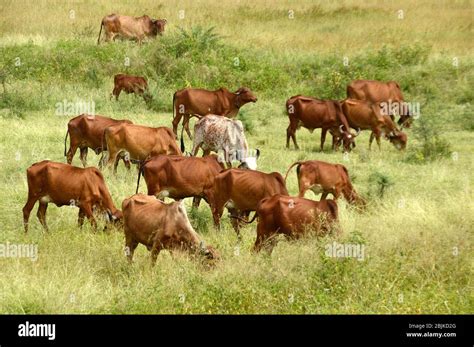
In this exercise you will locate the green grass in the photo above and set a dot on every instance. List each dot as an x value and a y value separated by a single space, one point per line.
418 234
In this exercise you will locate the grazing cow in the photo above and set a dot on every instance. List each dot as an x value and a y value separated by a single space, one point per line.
130 84
139 142
226 136
312 114
87 131
63 184
293 217
200 102
136 28
179 177
159 226
240 191
381 92
367 116
325 178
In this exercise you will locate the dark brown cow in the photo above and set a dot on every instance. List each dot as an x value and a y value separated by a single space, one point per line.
381 92
179 177
240 190
365 115
87 131
130 84
325 178
136 28
313 114
293 217
63 184
159 226
139 142
201 102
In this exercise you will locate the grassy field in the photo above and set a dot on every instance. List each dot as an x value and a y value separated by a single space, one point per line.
418 235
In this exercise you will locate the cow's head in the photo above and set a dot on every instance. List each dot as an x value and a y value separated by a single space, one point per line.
347 138
158 26
249 161
208 252
405 120
398 138
115 217
244 95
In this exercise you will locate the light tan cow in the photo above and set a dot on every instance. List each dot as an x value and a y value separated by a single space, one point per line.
159 226
128 27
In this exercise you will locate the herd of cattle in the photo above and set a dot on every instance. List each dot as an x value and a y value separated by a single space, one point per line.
148 220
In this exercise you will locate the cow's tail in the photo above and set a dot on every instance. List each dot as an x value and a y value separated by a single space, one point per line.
141 165
291 166
182 140
101 160
244 220
100 31
65 141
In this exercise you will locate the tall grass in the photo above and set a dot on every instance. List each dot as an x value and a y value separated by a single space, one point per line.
416 230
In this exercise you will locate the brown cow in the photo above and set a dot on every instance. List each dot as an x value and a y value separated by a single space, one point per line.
325 178
159 226
130 84
312 114
240 190
87 131
381 92
136 28
293 217
139 142
366 115
179 177
201 102
63 184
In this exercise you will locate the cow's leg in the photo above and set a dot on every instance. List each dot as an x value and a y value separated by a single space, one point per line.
27 210
41 214
303 186
130 245
112 158
176 119
83 156
375 133
155 250
74 145
263 236
323 138
217 214
80 218
324 195
291 132
235 221
186 126
196 202
87 208
195 149
127 163
116 92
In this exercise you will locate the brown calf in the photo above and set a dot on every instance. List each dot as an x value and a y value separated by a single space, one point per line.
325 178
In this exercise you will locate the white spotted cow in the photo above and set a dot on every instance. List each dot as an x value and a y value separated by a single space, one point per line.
225 137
